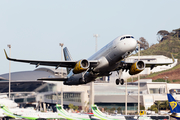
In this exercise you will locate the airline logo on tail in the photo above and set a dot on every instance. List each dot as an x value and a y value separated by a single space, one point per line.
173 104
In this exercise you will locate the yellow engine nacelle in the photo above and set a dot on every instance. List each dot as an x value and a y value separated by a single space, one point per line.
136 67
81 66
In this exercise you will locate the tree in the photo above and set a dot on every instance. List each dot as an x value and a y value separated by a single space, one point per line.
143 43
119 109
112 110
105 108
142 107
162 35
176 32
158 103
155 109
75 107
71 106
167 105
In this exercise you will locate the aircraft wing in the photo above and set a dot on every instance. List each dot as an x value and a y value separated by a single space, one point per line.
127 65
152 65
69 64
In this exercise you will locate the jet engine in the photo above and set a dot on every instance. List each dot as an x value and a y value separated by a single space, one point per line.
81 66
136 67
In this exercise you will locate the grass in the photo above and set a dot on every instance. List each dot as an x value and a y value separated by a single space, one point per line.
175 81
161 80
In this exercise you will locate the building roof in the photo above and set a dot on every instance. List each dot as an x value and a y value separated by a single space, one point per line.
32 75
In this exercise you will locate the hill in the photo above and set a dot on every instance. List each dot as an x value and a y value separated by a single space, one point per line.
165 48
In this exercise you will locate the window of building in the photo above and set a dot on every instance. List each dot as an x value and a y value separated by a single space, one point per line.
73 97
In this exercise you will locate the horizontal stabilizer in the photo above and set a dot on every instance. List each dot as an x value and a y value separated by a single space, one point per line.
53 79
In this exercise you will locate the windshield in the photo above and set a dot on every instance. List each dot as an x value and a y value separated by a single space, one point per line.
126 37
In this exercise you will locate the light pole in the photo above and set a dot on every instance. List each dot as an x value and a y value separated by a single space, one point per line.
126 99
61 44
166 84
165 78
92 83
9 71
138 77
96 35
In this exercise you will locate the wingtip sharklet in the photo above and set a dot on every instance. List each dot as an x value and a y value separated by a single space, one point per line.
172 58
6 54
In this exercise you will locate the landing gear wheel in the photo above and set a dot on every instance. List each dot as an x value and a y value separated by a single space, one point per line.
117 81
122 81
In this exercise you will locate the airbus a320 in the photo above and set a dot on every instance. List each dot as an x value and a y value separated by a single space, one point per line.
102 63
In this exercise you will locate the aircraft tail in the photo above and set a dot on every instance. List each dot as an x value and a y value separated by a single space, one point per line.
97 113
67 57
8 113
64 114
174 106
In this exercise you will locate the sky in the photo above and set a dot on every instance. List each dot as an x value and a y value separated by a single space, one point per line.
34 28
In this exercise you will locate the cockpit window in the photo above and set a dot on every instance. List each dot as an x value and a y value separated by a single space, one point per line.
122 38
126 37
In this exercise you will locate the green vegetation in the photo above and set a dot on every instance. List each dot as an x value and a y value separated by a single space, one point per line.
169 42
175 81
112 110
71 106
159 105
161 80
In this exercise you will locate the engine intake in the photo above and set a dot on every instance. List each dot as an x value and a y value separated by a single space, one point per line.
81 66
137 67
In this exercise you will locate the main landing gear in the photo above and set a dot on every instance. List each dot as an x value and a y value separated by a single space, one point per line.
119 81
82 80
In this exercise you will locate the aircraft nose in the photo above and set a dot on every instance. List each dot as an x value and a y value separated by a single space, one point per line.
130 45
133 43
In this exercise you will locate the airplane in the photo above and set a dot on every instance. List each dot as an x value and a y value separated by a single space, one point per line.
97 113
174 107
19 113
102 63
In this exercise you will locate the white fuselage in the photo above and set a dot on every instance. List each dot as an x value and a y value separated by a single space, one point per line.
108 57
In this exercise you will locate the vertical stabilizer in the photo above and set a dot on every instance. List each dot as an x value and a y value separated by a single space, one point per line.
67 57
174 106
